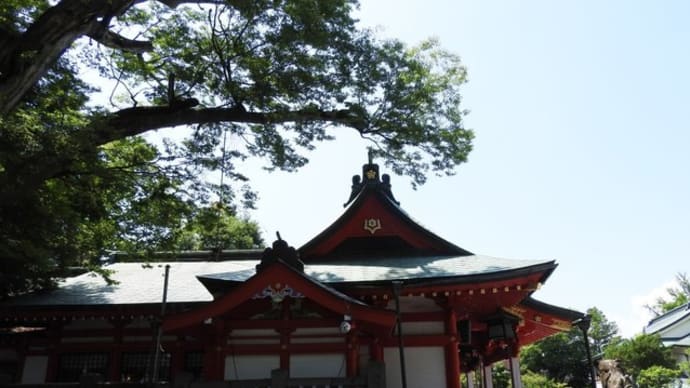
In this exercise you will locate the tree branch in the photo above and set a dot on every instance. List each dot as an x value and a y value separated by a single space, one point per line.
25 62
175 3
138 120
116 41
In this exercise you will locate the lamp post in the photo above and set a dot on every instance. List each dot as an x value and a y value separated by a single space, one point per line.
500 328
159 332
397 286
584 323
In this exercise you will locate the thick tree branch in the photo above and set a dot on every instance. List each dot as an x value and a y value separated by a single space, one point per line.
115 41
25 62
26 58
138 120
175 3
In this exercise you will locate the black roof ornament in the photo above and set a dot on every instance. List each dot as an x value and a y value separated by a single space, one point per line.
280 250
370 179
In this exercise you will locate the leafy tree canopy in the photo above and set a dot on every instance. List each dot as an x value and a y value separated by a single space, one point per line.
560 357
602 332
563 357
684 366
274 77
641 352
657 377
211 228
501 378
535 380
678 295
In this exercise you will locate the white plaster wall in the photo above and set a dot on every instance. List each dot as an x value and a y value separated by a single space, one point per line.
364 357
425 367
428 327
679 354
316 330
8 355
313 340
415 304
138 338
249 337
250 367
35 368
139 324
253 332
85 340
317 365
310 335
680 329
253 341
88 324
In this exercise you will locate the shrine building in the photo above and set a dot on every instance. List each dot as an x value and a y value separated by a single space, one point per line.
374 300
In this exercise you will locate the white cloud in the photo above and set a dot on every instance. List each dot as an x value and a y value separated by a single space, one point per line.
639 316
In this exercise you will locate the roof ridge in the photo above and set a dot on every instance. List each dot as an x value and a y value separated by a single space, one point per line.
185 255
370 180
685 306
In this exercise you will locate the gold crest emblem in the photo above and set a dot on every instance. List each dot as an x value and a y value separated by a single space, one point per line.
372 225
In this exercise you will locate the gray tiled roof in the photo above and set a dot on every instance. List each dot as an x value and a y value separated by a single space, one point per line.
672 318
414 268
685 341
140 284
372 270
137 284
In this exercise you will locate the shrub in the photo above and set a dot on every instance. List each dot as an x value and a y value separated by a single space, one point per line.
657 377
535 380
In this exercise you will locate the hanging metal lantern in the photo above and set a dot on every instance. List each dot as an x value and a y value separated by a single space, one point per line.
501 326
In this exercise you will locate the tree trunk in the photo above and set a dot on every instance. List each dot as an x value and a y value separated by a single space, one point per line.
29 55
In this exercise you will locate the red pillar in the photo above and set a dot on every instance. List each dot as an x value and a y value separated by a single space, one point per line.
54 335
177 360
376 350
214 363
352 354
116 352
284 349
452 357
487 376
22 348
285 334
515 377
213 352
51 368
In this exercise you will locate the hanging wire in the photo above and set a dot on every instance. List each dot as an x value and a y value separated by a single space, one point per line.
221 199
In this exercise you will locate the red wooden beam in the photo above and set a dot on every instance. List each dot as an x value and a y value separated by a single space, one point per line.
279 275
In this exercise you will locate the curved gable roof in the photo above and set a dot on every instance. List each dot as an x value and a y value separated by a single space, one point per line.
374 225
276 278
665 324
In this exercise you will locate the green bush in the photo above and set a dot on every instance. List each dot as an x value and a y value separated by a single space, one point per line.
500 376
657 377
641 352
535 380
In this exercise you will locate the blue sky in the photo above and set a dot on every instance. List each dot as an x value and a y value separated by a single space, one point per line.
581 152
